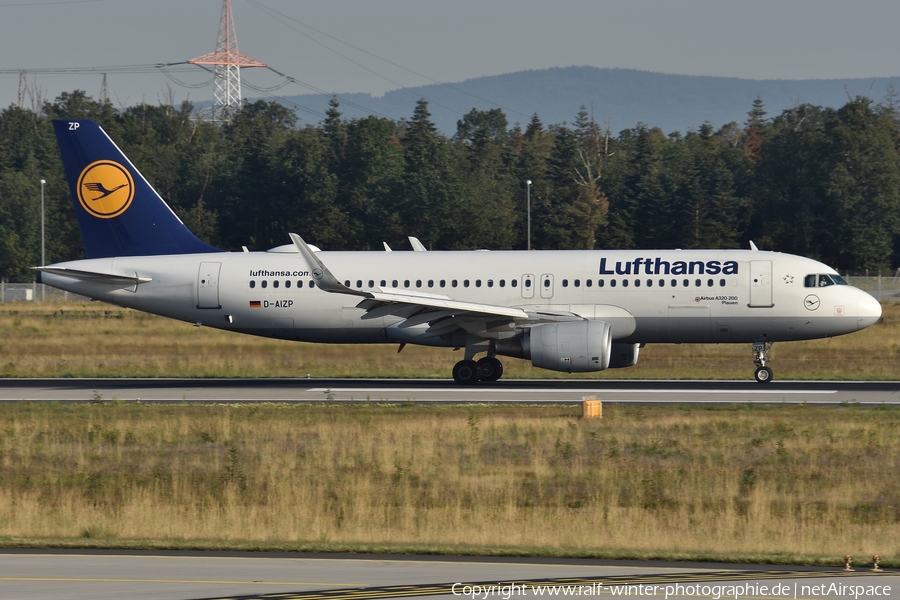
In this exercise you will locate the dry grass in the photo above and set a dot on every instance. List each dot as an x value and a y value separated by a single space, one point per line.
97 340
776 484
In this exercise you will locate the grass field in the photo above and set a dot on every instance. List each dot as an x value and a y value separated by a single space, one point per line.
98 340
788 484
768 484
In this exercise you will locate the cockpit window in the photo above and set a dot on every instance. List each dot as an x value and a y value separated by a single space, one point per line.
823 280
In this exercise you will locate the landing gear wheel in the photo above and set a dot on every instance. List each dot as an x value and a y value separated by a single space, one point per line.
490 369
465 372
761 352
764 374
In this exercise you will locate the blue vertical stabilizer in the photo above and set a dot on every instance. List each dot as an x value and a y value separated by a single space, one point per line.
119 213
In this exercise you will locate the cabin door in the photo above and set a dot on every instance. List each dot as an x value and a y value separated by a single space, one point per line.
208 285
761 284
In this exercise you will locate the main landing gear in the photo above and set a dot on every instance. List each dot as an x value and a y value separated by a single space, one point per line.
469 372
761 352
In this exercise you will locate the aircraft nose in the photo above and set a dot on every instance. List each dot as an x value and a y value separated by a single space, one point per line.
868 310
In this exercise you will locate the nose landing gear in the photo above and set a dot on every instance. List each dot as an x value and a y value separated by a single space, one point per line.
763 373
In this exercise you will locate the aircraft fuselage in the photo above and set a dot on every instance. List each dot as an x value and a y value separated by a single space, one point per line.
647 296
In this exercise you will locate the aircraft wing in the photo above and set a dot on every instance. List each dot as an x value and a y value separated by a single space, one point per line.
419 307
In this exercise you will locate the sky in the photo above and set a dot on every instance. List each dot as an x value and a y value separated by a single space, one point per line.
374 46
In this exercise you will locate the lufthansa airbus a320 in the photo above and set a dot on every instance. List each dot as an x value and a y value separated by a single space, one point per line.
571 311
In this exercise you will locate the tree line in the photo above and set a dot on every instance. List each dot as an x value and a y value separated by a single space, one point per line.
815 181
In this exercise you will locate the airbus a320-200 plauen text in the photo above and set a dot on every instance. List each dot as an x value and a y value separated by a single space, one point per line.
566 310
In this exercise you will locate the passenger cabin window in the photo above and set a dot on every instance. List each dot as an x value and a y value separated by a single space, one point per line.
252 284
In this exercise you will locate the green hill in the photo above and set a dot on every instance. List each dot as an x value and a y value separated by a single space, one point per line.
621 97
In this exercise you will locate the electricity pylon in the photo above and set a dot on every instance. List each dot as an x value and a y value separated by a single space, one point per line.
226 62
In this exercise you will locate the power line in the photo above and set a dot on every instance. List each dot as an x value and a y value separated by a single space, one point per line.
390 62
57 3
117 69
266 10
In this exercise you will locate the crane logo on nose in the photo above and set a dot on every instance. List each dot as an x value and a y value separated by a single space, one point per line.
811 302
105 189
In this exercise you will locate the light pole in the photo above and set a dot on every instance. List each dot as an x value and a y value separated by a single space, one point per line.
528 193
43 259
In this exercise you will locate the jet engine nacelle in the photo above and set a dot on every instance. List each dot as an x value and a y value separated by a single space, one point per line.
572 346
624 355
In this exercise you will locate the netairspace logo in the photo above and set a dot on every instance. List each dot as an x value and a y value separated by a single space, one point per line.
714 592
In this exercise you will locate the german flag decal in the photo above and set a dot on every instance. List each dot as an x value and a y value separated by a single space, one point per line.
255 304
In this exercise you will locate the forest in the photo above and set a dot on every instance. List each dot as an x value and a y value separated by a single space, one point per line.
815 181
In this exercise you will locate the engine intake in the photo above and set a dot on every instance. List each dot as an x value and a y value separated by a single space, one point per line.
571 346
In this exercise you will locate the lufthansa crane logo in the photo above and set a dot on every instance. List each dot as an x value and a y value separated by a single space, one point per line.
811 302
105 189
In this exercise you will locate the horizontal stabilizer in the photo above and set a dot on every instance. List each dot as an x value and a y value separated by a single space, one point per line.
94 276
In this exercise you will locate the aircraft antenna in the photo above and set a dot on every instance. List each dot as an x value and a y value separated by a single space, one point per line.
226 62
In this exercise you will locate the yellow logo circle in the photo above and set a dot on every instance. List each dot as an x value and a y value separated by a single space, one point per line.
105 189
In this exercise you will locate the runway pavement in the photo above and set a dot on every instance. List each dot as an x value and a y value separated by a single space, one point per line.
422 390
99 575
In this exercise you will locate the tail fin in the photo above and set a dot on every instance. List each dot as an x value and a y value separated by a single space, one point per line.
119 213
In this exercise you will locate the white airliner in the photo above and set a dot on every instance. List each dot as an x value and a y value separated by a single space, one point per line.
571 311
